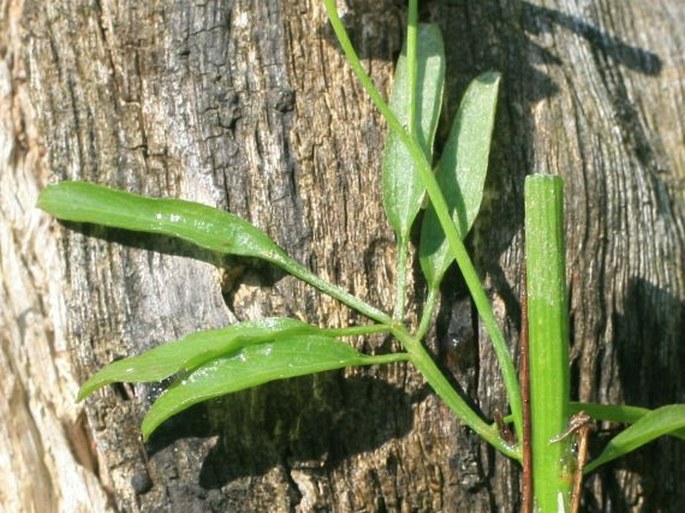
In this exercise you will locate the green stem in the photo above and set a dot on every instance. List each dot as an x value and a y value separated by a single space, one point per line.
304 274
548 341
357 330
403 239
363 77
451 233
435 378
484 309
380 359
401 279
428 311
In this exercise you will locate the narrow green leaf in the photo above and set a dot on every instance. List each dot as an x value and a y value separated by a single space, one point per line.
254 365
461 173
617 413
193 351
402 186
662 421
199 224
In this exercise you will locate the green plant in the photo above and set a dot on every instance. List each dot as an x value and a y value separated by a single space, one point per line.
213 363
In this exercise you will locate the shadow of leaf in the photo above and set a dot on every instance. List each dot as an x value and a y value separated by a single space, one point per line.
310 423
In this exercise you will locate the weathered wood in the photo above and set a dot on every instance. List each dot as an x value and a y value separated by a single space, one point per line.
249 106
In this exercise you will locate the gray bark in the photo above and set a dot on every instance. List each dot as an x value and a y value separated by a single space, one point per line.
249 106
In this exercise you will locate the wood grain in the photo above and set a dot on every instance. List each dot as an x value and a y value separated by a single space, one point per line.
249 106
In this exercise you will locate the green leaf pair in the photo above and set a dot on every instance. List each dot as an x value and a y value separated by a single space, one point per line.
219 362
254 365
455 190
193 351
463 165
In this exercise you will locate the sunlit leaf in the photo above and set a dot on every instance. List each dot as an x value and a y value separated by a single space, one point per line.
662 421
193 351
402 187
461 173
254 365
199 224
617 413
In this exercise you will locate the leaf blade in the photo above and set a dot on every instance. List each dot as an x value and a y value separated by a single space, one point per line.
461 173
617 413
661 421
202 225
252 366
199 224
402 187
192 351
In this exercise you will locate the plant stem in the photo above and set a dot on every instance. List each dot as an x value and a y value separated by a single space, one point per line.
451 233
381 359
401 278
304 274
548 340
403 239
429 370
356 330
428 310
480 299
524 377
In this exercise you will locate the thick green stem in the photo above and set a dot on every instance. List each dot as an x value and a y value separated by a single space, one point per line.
548 342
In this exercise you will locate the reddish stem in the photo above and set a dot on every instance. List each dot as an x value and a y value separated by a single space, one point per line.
524 376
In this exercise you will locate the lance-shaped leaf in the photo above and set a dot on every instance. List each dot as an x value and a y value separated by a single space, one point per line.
254 365
461 173
617 413
199 224
662 421
402 187
193 351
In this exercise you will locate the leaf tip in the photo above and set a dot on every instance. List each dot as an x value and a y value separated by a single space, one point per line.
150 423
45 197
91 385
489 77
84 392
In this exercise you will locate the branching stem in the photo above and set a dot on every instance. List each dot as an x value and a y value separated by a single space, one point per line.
456 244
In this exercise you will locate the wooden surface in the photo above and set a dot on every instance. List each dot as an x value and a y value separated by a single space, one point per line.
249 106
